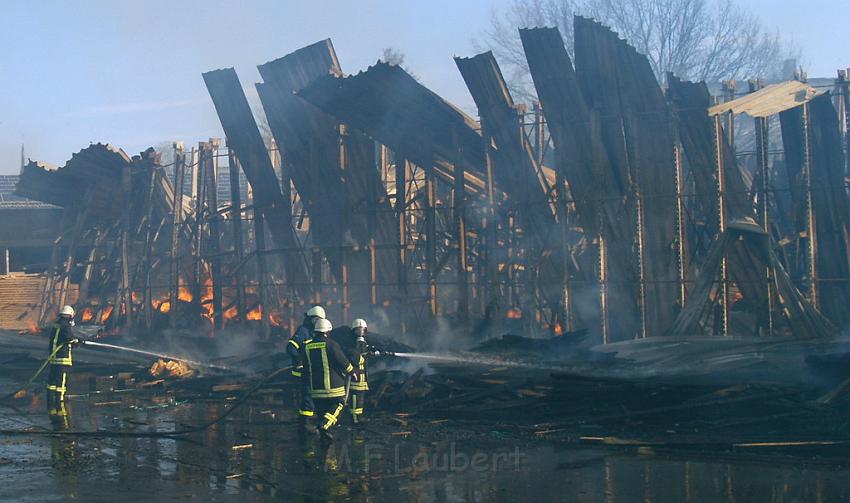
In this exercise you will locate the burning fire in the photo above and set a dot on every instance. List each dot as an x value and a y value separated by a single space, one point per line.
558 330
256 313
104 316
184 294
87 315
231 313
32 326
514 314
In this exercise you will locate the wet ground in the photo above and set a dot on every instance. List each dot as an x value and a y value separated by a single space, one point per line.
258 453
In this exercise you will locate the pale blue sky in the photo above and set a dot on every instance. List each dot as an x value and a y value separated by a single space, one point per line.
129 72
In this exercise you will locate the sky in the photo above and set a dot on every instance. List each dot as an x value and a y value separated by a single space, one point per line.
129 72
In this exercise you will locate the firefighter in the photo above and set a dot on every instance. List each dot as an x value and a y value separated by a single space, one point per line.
61 339
294 349
326 369
358 351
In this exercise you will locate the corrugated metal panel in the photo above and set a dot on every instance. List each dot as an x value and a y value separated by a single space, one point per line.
309 141
391 106
241 129
515 168
770 100
637 133
584 162
340 199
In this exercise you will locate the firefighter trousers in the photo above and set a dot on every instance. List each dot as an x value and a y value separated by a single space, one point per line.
306 408
355 405
328 411
57 384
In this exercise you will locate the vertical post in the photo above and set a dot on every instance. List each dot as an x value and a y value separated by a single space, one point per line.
721 210
344 266
563 203
198 227
844 115
431 233
372 225
236 219
176 222
401 171
48 294
491 236
680 222
811 229
215 236
640 220
260 240
760 125
603 287
7 261
126 293
539 138
460 229
153 179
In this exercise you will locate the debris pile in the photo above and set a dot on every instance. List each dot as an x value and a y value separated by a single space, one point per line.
171 368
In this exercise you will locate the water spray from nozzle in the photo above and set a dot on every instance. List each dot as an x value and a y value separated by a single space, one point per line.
158 355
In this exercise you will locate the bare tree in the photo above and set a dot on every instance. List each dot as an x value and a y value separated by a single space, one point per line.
695 39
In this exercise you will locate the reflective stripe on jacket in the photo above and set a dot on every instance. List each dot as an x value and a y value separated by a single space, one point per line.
327 368
60 337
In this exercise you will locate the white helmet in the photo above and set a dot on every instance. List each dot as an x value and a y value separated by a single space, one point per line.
316 311
323 326
67 311
359 323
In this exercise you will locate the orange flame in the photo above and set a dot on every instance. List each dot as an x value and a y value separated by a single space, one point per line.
231 313
256 313
184 294
514 314
32 326
107 312
161 305
558 330
87 315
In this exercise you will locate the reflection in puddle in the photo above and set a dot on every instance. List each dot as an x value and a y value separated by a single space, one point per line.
258 453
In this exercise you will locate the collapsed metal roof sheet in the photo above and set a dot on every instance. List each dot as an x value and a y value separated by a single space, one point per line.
770 100
391 106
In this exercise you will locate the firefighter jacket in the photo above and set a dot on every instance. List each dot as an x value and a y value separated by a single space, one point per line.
326 367
356 350
61 336
295 345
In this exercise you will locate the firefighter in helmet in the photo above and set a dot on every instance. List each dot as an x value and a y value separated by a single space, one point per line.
294 349
62 338
326 369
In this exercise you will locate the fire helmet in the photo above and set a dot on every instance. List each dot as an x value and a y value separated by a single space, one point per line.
359 323
318 311
322 326
67 311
